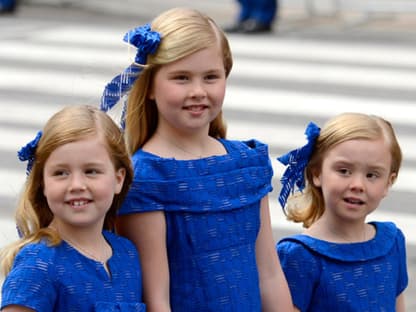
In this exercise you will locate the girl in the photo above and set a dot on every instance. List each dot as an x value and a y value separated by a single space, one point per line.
64 260
198 209
341 263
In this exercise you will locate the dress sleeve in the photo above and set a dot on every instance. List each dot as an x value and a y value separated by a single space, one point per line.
29 282
302 272
402 281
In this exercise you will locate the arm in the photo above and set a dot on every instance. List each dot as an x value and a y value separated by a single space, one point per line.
147 231
275 294
16 308
400 306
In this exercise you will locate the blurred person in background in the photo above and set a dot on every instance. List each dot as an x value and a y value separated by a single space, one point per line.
255 16
7 6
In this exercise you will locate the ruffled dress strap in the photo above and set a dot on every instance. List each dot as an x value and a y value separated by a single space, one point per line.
379 246
231 181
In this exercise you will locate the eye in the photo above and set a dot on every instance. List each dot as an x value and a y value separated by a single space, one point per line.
92 171
181 77
212 77
60 173
344 171
372 175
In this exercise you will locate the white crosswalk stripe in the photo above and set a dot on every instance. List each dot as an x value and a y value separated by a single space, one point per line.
71 64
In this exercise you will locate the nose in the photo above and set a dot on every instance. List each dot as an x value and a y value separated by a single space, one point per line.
198 90
77 183
357 183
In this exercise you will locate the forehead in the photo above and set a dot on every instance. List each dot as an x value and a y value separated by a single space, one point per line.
91 147
206 58
370 152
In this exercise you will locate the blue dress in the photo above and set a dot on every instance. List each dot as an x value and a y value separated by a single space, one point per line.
212 211
59 278
364 277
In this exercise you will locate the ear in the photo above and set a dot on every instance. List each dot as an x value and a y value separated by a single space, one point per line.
151 94
390 182
120 175
316 178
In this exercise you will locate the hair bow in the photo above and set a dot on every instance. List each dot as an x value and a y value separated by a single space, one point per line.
146 41
27 152
296 162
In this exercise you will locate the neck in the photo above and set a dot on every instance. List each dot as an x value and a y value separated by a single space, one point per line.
346 233
195 146
91 244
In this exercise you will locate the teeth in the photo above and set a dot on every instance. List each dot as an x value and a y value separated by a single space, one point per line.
79 203
195 108
353 201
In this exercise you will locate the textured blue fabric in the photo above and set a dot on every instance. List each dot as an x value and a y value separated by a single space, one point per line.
60 279
364 277
212 210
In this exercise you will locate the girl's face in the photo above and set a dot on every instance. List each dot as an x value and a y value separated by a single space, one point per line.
189 92
80 182
354 177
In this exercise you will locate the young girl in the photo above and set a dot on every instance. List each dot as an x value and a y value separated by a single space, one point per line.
341 263
64 260
198 208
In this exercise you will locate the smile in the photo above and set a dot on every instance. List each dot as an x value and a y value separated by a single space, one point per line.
78 203
354 201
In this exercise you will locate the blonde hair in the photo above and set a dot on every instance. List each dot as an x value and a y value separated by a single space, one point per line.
307 207
71 124
183 32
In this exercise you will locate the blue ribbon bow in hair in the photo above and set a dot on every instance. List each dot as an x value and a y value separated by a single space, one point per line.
146 41
27 152
296 162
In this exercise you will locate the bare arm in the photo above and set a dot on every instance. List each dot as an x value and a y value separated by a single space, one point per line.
275 294
400 306
16 308
148 232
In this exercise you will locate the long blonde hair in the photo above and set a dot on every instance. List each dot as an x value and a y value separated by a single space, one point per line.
71 124
307 207
183 31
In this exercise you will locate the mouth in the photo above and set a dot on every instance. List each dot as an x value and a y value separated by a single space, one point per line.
196 108
77 203
354 201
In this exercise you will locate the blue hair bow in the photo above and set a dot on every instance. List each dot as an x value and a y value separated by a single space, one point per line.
146 41
296 162
27 152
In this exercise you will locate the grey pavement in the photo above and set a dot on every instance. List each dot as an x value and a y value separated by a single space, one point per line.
296 17
354 24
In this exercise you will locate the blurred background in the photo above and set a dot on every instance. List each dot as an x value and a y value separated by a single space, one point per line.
318 59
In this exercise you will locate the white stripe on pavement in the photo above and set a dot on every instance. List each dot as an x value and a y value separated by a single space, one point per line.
362 53
324 51
316 104
91 85
340 75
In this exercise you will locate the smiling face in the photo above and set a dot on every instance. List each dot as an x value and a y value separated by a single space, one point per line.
80 182
355 176
189 92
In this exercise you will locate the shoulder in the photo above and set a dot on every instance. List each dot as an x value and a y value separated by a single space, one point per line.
32 280
388 231
121 244
295 246
39 255
251 144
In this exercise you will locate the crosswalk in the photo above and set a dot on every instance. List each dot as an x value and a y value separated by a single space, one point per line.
276 87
